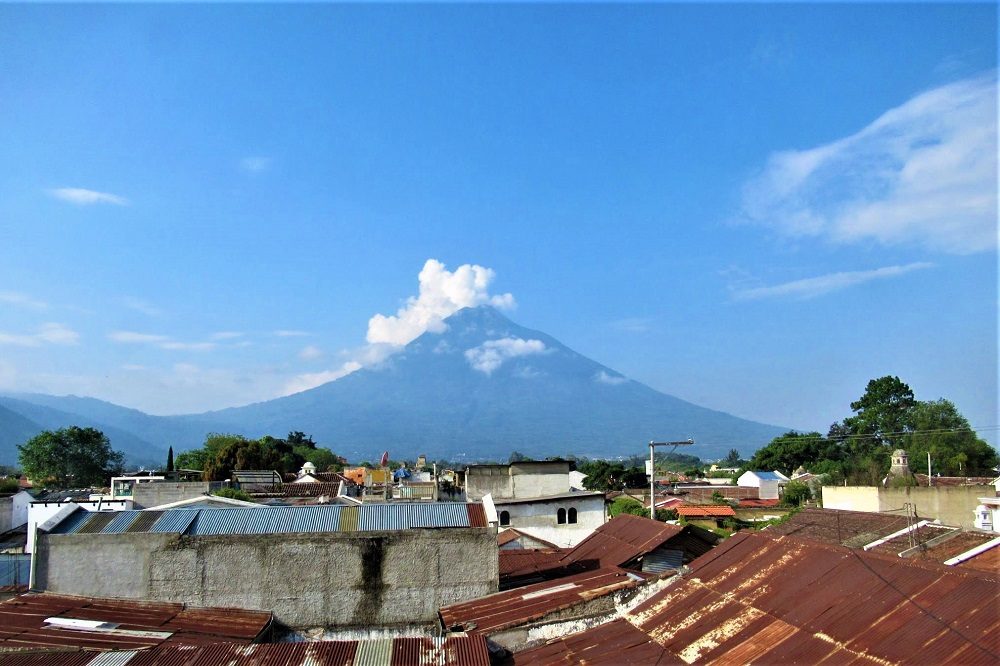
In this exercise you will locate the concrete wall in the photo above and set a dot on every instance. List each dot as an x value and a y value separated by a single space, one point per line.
340 579
146 495
540 519
6 513
952 505
22 501
492 480
518 480
39 512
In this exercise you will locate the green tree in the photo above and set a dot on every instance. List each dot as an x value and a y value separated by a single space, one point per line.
793 449
939 429
732 459
884 412
795 493
70 457
626 504
233 493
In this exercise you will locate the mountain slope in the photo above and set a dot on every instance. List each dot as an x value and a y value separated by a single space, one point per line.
14 429
479 390
548 400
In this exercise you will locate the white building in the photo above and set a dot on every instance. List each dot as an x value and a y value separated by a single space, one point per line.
988 514
565 519
767 483
519 480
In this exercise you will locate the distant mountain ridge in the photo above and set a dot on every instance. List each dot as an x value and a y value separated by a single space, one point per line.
481 389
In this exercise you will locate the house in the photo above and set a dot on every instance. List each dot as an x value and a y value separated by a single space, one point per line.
373 565
759 598
564 519
767 483
519 480
707 515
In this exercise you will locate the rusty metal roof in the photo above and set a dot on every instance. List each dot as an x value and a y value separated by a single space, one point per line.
760 598
533 602
621 540
524 561
616 642
836 526
133 624
450 651
782 599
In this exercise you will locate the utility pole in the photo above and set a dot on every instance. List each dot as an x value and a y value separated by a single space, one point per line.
652 470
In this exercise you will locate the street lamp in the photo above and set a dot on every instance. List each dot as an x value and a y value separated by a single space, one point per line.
652 470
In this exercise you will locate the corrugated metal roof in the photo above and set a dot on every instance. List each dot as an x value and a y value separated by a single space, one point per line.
621 540
849 528
280 519
135 624
767 599
449 651
616 642
705 511
523 605
663 559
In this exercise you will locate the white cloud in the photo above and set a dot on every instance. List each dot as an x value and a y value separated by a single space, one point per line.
310 380
22 300
227 335
603 377
284 333
490 355
83 197
161 341
923 173
255 163
49 333
131 337
173 345
142 306
816 286
442 294
310 352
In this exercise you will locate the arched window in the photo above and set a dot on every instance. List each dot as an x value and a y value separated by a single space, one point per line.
572 515
561 516
505 517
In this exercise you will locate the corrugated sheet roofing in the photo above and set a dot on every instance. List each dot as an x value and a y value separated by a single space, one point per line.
450 651
849 528
767 599
138 624
278 519
513 608
621 540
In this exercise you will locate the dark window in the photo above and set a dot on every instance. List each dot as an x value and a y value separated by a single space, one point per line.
561 516
505 518
572 515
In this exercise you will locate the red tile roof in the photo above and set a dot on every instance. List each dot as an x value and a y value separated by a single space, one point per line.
705 511
23 626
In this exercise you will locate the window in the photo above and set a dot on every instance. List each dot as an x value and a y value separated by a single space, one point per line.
505 517
561 516
572 516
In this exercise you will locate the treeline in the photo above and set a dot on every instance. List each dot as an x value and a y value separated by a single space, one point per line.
887 417
223 453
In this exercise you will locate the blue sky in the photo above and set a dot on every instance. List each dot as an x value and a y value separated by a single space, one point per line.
757 208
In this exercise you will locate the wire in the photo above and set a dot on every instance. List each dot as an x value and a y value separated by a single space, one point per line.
839 438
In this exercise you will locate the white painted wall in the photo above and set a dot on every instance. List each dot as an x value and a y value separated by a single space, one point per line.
540 519
766 488
39 512
19 509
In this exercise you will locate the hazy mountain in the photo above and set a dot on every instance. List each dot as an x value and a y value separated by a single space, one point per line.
539 397
481 389
14 429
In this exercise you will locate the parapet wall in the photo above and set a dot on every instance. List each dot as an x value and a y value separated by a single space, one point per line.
146 495
952 505
336 579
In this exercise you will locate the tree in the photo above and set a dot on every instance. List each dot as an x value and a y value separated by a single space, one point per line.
71 456
788 452
170 459
939 429
795 493
732 459
884 412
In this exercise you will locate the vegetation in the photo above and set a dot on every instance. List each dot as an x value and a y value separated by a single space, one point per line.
604 475
630 505
70 457
223 453
886 417
796 493
233 493
8 485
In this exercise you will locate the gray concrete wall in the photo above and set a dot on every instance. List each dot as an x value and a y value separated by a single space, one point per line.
6 513
482 481
307 580
146 495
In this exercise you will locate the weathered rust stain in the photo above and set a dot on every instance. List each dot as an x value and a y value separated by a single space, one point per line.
373 586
